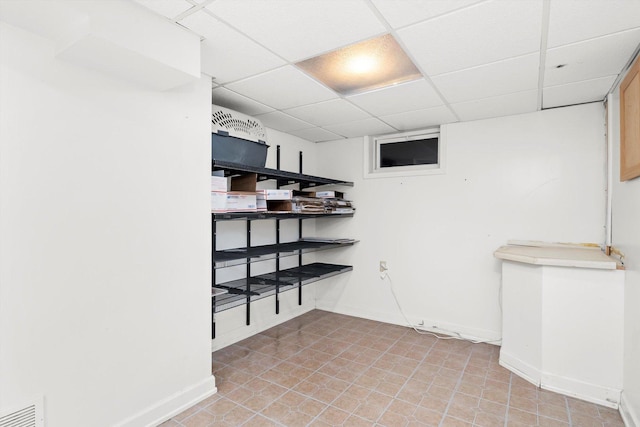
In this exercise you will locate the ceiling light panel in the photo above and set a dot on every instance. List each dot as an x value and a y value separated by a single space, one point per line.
364 66
298 29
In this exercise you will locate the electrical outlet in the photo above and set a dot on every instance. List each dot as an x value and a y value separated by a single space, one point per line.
383 266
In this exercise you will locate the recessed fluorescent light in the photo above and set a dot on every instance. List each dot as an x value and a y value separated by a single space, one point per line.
371 64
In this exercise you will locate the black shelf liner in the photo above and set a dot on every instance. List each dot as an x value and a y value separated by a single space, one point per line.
282 177
258 251
264 285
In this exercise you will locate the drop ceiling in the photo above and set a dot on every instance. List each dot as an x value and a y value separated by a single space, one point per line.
478 59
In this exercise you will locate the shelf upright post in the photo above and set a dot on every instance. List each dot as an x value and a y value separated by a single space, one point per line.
300 237
248 276
213 275
278 240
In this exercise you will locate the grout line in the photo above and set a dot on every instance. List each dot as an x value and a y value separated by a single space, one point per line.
446 410
566 404
408 332
506 411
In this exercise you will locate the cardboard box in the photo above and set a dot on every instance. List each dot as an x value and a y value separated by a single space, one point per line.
246 183
218 201
233 201
219 183
277 194
241 201
281 206
261 204
328 194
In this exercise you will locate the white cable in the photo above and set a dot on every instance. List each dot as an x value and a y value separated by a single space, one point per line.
455 336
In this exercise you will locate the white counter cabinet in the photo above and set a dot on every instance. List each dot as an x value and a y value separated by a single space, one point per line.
562 320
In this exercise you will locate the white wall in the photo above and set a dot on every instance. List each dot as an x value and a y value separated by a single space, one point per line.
626 237
231 324
536 176
105 248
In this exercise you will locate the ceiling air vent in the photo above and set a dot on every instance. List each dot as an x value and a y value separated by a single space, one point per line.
28 415
231 123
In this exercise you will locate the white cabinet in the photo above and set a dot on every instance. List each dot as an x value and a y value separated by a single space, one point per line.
562 326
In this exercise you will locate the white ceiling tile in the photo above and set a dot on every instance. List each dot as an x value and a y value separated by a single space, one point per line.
420 119
401 13
316 134
576 93
498 78
298 29
506 105
415 95
602 56
234 101
575 20
283 88
364 127
227 54
169 8
282 122
482 33
328 112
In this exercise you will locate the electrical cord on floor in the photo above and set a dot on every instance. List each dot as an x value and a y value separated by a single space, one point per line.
454 336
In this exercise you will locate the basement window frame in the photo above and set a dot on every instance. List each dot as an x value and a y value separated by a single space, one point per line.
372 160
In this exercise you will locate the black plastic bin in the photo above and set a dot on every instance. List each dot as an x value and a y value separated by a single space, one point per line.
237 150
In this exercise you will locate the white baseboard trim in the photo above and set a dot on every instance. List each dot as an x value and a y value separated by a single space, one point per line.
443 328
629 415
172 405
520 368
594 393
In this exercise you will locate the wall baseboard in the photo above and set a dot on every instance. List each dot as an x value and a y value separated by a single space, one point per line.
472 334
629 416
173 405
598 394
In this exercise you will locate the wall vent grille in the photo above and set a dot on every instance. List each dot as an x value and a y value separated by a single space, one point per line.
29 415
229 122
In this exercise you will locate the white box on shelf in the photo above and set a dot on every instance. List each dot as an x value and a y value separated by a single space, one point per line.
277 194
219 183
233 201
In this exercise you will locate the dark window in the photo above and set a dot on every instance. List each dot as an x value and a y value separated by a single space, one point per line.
408 153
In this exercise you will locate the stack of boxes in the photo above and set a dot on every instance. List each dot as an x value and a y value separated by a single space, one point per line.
239 194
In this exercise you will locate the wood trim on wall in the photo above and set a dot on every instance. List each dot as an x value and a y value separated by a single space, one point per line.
630 123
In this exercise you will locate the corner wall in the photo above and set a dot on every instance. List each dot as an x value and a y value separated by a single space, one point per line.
538 176
105 248
626 237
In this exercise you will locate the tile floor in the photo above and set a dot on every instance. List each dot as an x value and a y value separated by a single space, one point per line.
326 369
